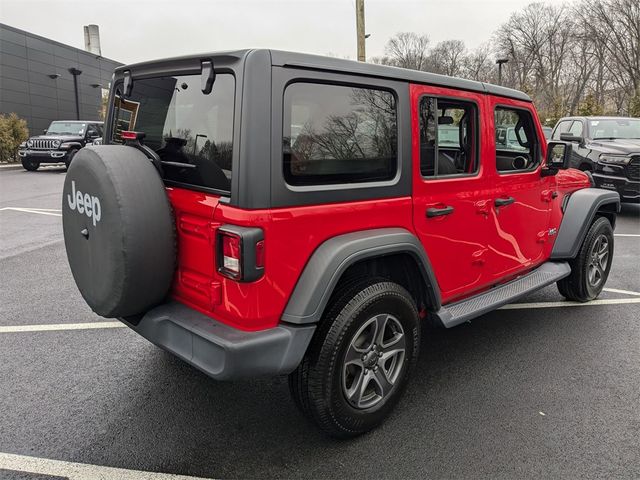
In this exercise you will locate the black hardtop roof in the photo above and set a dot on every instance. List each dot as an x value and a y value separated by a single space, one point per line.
318 62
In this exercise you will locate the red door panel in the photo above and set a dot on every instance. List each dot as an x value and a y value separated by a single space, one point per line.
456 242
519 230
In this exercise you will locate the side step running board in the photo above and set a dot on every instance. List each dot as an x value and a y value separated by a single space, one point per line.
460 312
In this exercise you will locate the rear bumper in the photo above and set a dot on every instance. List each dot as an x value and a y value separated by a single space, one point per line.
221 351
629 190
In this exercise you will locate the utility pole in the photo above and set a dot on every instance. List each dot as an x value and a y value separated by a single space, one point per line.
360 30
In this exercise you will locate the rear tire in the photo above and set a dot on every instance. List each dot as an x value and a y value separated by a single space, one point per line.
590 269
359 360
30 165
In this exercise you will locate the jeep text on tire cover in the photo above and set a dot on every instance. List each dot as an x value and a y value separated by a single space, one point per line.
262 213
84 203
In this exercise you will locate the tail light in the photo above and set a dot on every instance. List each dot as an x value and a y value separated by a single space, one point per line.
240 252
231 254
130 135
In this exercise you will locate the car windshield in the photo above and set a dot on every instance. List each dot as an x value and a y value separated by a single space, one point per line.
615 128
66 128
192 132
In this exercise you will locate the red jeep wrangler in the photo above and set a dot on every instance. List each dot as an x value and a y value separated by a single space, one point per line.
262 213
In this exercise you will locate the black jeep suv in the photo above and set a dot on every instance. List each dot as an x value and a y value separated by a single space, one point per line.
60 142
609 147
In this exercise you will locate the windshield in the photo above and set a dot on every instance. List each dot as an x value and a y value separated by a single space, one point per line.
67 128
614 128
182 125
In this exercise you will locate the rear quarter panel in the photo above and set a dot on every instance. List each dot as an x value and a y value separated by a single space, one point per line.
291 236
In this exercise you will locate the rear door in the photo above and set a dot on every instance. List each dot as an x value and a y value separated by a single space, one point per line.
520 210
192 134
450 192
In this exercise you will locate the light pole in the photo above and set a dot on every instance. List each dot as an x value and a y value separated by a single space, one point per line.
75 72
500 62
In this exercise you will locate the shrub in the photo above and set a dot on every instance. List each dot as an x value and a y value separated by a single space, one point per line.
13 131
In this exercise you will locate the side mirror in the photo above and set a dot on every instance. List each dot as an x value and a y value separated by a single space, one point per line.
44 131
558 155
568 137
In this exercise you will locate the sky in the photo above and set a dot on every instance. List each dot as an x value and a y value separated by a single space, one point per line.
138 30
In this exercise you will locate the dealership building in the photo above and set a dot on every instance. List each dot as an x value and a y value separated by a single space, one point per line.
42 80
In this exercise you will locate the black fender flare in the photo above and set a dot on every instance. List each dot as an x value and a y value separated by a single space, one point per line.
579 213
332 258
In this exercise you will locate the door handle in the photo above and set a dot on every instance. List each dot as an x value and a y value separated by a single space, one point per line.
502 202
438 212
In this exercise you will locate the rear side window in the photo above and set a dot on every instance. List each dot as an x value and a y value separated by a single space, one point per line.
517 146
563 127
336 134
182 125
448 133
576 129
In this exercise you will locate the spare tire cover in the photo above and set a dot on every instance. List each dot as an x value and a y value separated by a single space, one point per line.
118 230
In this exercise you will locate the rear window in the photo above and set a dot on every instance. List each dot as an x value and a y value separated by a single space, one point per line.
184 126
338 134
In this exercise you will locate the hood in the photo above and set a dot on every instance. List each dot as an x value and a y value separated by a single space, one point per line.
619 145
62 138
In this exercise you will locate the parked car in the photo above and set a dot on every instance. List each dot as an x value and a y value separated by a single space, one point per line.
59 143
609 148
261 212
506 139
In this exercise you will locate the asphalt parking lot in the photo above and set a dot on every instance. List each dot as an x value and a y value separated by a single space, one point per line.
535 390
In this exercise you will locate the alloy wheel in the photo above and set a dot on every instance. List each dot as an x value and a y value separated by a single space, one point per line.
598 261
373 361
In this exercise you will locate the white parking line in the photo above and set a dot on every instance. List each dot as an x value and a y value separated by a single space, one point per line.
34 208
39 211
60 326
624 292
608 301
626 235
78 471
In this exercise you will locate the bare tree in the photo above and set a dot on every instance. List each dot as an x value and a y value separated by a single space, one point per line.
614 26
584 57
538 43
407 50
447 58
478 65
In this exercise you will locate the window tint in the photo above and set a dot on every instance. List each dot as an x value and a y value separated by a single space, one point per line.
563 127
337 134
183 125
447 137
576 128
516 141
